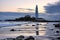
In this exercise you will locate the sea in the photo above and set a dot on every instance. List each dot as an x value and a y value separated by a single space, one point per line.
26 28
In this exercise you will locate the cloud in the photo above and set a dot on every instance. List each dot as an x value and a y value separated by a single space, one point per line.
53 8
26 9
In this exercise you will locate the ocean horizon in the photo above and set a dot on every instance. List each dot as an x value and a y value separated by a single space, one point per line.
13 15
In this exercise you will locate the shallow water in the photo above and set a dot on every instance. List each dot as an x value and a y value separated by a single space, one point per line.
27 28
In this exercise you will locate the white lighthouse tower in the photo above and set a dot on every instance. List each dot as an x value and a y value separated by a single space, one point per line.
36 12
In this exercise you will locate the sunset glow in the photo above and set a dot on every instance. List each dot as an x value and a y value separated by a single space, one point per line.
13 5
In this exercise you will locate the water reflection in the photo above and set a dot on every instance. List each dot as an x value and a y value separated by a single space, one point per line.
28 29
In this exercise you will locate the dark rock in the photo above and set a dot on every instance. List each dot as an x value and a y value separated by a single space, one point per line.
33 25
21 37
30 38
12 30
58 38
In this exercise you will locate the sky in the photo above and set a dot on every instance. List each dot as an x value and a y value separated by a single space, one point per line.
24 5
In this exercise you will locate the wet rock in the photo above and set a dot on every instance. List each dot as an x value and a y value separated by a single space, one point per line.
21 37
30 38
12 30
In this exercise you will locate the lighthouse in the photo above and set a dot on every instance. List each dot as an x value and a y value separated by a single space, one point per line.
36 12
